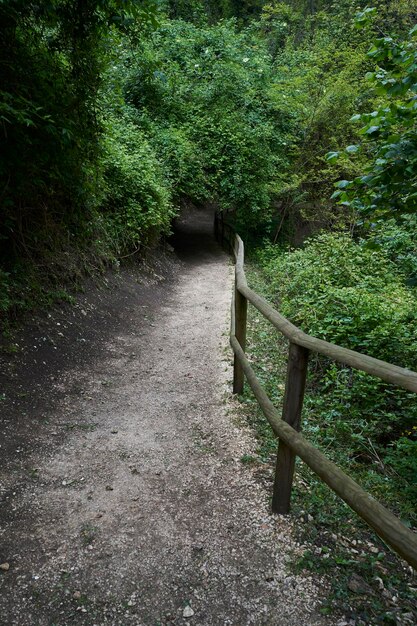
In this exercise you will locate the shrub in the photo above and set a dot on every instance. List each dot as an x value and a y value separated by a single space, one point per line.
137 200
346 293
343 292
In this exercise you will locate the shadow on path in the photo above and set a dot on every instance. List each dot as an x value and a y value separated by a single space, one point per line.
125 499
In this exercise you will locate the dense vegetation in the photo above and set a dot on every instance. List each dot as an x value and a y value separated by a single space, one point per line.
292 116
115 113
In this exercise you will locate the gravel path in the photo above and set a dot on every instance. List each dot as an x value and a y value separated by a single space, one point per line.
124 498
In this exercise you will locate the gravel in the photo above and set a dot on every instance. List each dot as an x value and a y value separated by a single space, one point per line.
124 498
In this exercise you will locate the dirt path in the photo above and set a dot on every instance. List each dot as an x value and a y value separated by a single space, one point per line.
124 498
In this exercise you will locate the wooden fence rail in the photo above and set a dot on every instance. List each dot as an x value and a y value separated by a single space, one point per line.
291 444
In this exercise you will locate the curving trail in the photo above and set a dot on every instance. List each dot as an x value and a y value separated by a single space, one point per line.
124 498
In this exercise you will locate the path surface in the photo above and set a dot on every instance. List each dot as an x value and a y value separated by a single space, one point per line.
124 498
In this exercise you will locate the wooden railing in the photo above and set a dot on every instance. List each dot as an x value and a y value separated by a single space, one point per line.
291 444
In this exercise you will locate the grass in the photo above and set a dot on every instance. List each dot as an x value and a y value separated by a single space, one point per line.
88 533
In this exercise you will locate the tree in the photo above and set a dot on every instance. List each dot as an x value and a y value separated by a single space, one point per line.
388 186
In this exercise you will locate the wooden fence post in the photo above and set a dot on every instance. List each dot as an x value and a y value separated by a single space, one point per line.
241 308
291 413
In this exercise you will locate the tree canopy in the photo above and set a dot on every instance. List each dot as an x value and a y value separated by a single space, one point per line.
114 113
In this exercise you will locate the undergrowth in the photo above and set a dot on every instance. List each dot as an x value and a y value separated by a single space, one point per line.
369 583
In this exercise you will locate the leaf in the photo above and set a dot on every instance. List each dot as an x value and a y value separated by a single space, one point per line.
352 149
364 18
371 130
332 157
342 184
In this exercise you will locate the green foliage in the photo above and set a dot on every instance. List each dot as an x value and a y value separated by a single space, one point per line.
365 426
182 163
106 96
199 11
354 296
202 95
137 198
343 292
317 84
54 58
398 241
403 459
387 187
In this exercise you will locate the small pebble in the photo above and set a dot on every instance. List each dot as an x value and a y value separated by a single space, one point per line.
5 567
188 612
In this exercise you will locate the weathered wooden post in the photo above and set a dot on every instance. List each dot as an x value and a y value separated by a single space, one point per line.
241 308
291 413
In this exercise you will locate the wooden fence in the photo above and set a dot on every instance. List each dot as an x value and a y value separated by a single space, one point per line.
291 444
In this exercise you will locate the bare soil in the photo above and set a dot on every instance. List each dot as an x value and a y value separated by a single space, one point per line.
124 498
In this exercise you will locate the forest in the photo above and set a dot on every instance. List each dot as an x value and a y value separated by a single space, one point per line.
297 119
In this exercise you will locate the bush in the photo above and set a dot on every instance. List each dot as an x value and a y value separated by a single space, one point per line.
399 242
202 99
137 202
346 293
354 296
